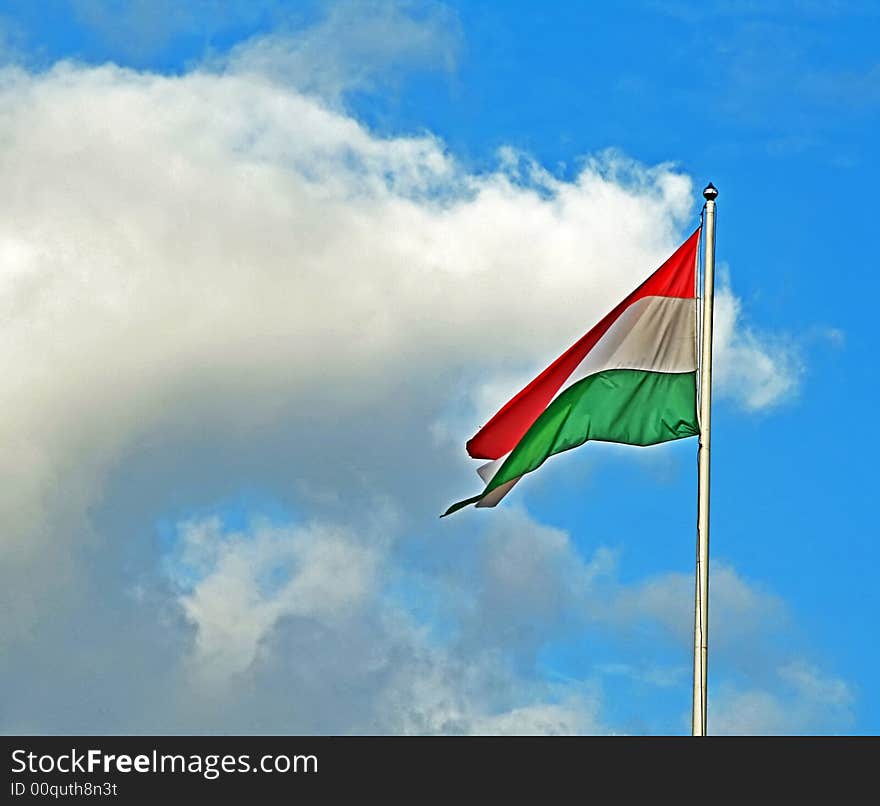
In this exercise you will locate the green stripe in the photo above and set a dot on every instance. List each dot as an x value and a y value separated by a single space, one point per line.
462 504
630 406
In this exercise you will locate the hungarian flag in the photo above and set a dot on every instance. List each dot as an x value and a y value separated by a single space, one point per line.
631 379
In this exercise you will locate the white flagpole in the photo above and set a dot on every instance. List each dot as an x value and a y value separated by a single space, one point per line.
701 604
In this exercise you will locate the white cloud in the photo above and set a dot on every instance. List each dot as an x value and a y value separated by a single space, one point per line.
569 719
801 699
234 255
213 281
740 609
756 371
307 604
246 583
353 46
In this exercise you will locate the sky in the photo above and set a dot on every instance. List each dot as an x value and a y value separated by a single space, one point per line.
266 266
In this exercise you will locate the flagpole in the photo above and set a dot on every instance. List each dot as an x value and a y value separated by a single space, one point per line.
701 604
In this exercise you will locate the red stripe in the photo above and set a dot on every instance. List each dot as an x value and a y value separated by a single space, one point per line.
675 278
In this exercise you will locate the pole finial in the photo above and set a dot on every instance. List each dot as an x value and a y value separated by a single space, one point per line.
710 193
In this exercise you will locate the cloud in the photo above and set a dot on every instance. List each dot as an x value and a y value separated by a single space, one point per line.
803 700
138 29
353 46
540 720
326 47
245 584
757 371
240 260
295 628
739 608
212 283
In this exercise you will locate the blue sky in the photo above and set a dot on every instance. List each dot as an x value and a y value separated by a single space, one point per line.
231 499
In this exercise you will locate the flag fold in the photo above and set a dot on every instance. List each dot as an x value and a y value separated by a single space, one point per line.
631 379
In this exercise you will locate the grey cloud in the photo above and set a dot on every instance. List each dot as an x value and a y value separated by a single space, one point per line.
213 283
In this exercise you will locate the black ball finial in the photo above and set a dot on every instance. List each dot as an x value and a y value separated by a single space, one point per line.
710 193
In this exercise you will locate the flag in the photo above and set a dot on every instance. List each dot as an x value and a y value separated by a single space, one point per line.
631 380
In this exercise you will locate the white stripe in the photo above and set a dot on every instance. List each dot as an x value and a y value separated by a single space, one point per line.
497 494
657 334
487 471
